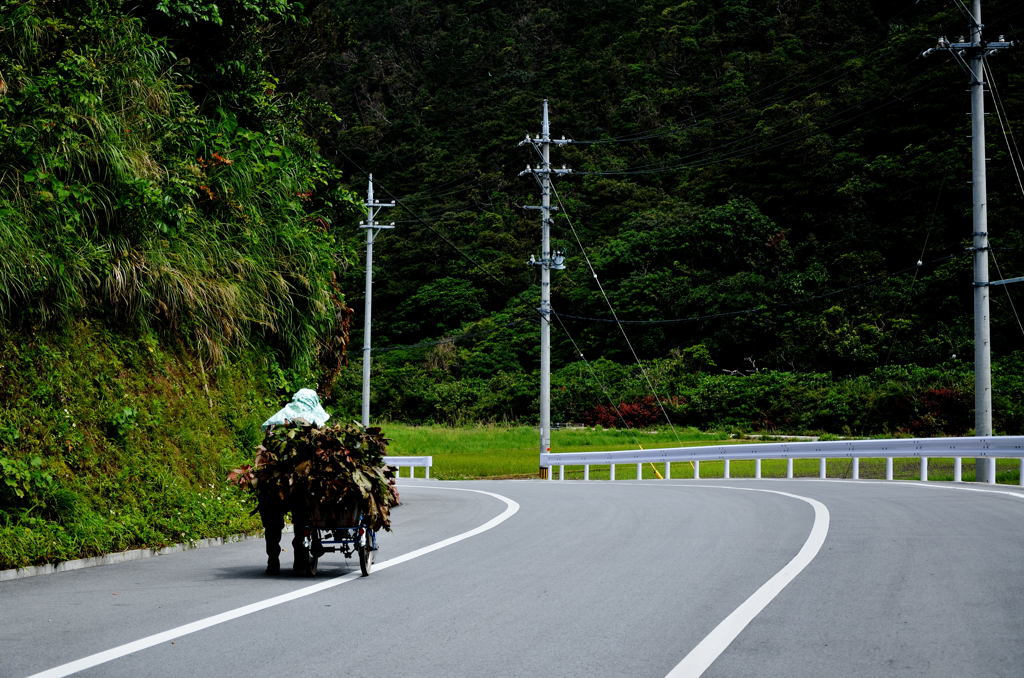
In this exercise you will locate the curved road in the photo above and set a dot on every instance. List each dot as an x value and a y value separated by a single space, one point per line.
531 578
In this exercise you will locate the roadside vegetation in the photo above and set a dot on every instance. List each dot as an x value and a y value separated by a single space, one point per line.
181 183
108 443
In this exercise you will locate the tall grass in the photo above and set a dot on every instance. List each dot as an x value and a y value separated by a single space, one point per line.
122 200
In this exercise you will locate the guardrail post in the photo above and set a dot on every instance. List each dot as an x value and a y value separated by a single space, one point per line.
725 472
855 473
696 469
561 472
958 469
757 468
639 471
789 468
586 471
668 470
426 472
412 471
888 468
611 472
992 472
924 469
821 468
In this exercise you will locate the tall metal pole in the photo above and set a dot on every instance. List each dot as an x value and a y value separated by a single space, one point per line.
548 261
545 286
372 229
975 51
984 468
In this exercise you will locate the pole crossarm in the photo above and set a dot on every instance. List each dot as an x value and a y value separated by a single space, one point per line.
537 141
970 49
1008 281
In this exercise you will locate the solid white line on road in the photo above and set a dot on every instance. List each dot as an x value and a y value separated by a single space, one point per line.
931 485
715 643
511 507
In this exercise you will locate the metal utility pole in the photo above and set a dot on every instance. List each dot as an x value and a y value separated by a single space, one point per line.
372 228
973 53
548 262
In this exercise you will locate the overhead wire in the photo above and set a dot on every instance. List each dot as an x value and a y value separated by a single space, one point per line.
651 168
814 84
794 135
1004 126
432 193
1009 297
920 260
764 308
417 218
453 339
780 141
427 225
1015 160
968 13
807 87
604 388
611 308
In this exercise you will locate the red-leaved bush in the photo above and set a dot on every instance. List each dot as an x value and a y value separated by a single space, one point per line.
636 414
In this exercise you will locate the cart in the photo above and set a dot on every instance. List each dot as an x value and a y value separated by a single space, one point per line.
344 531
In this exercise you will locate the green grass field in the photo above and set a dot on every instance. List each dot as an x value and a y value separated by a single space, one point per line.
512 452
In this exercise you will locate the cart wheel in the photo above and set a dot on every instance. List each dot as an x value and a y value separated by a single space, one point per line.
307 553
365 559
365 547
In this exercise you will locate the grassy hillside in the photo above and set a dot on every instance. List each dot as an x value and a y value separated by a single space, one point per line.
110 443
170 268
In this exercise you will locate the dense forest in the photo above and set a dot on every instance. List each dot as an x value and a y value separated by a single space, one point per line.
773 198
771 186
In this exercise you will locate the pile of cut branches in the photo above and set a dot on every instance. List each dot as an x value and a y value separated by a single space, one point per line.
326 474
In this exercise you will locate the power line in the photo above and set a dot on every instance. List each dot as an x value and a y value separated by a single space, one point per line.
766 307
808 87
702 159
454 339
611 308
426 224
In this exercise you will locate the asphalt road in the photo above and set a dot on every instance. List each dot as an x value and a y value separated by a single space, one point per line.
532 578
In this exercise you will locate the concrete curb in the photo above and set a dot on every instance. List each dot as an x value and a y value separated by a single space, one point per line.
125 556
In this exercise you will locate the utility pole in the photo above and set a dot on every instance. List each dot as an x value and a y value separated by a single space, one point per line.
974 52
549 261
372 228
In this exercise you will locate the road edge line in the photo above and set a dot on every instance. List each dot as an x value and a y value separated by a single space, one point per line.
511 508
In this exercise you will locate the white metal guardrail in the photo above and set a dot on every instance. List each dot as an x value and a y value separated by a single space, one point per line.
411 463
993 447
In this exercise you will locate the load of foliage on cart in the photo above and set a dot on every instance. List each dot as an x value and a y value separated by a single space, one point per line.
329 472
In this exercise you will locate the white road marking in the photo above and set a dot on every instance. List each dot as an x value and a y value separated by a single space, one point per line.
932 485
715 643
511 507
